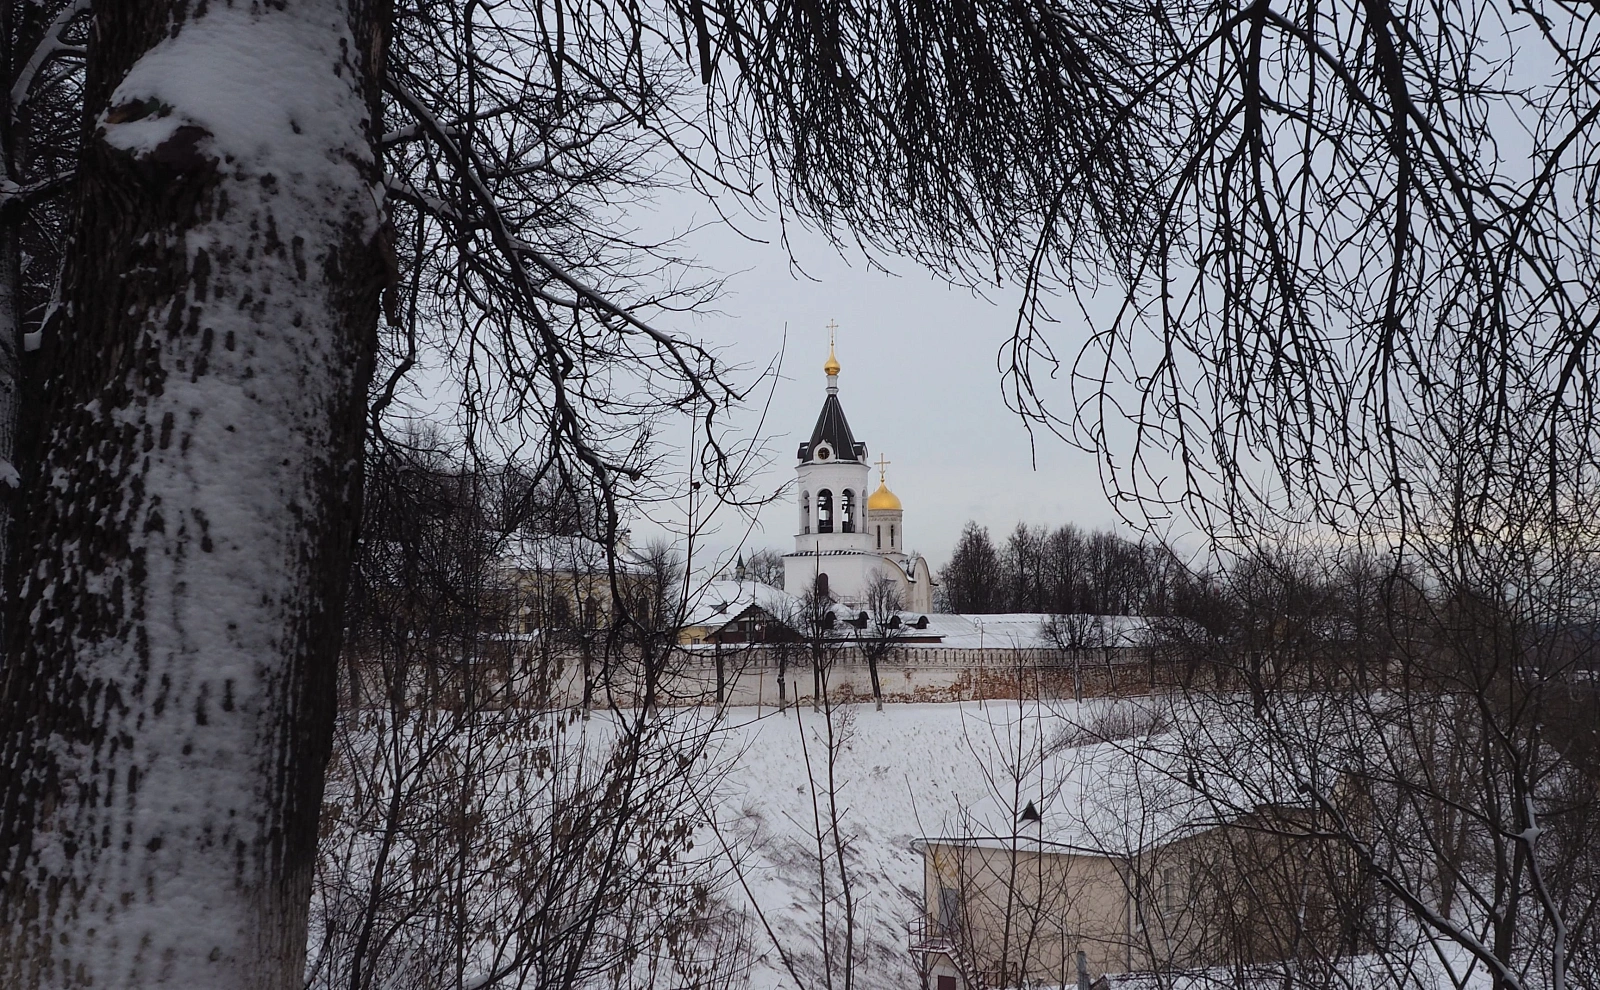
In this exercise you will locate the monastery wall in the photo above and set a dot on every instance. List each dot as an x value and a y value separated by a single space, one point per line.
752 676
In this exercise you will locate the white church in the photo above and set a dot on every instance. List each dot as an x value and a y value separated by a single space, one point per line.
847 539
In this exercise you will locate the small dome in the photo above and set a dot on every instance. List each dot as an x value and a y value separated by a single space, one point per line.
832 367
883 500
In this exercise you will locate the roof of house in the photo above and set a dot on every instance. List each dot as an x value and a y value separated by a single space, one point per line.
567 554
720 602
1117 798
1026 630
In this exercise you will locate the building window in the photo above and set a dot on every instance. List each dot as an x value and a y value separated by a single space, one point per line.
847 511
880 537
824 511
892 544
805 513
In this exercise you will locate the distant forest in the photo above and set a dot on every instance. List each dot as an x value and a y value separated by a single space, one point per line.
1064 571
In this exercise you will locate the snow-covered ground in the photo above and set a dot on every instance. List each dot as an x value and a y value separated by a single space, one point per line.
906 771
918 770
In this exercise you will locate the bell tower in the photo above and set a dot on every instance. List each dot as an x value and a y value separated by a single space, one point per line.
848 542
831 488
832 474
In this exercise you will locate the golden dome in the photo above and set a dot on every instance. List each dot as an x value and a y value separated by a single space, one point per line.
883 500
832 367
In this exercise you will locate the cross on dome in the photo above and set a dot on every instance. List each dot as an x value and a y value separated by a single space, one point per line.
883 500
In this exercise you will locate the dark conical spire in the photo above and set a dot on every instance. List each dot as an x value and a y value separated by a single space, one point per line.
831 426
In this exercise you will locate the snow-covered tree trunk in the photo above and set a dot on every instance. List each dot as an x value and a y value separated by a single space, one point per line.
168 691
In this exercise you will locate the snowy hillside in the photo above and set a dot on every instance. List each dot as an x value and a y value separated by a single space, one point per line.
926 770
906 771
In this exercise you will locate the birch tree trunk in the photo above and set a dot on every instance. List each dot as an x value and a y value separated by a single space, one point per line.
167 696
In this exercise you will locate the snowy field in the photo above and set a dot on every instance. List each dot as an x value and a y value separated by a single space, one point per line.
906 771
918 770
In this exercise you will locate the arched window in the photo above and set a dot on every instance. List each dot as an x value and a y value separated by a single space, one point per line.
847 511
880 538
892 543
805 513
824 511
822 581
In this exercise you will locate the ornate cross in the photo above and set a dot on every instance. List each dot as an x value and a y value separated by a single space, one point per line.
883 468
832 326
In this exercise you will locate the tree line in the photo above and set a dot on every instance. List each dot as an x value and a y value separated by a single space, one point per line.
1063 571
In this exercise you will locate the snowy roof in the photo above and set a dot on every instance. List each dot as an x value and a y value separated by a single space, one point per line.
1367 972
720 602
1115 798
576 554
1026 630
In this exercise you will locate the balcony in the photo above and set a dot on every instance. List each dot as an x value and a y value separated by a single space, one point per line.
928 935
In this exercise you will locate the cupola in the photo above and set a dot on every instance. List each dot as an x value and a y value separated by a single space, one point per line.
883 500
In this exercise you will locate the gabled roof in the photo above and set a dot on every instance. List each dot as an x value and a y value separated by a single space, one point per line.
561 554
720 602
835 429
1124 797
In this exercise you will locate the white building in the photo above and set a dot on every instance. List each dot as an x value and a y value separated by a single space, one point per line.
846 539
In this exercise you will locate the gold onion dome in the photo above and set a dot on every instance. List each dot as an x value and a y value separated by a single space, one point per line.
832 367
883 500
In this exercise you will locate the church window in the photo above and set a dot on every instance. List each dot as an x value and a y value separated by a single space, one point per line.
880 537
891 535
805 513
824 511
847 511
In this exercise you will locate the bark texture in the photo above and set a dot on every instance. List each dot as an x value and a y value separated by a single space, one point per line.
167 696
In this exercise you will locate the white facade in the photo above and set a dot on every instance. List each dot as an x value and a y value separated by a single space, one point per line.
841 544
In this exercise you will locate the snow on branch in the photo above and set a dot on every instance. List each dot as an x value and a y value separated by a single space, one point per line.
50 46
22 194
432 204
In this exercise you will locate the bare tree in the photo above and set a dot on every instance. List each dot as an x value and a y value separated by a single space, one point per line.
881 628
476 833
828 954
1075 635
766 566
184 562
41 69
1440 782
970 580
256 185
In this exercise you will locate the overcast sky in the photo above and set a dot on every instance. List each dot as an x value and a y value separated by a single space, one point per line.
919 384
